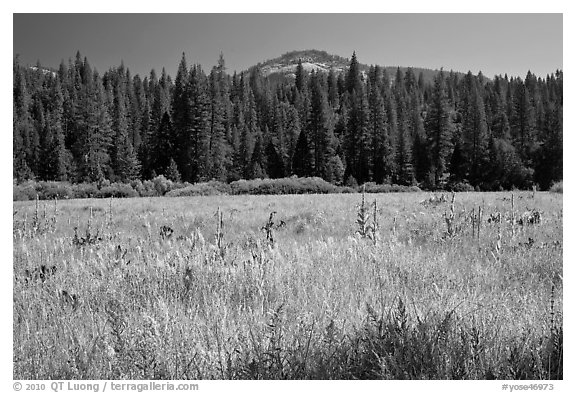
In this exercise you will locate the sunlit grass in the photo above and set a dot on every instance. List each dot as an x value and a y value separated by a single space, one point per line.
320 302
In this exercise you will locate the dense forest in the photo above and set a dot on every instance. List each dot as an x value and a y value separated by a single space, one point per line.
353 127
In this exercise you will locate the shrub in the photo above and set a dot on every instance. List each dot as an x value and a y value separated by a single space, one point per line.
241 187
85 190
556 187
172 172
287 185
521 177
223 188
139 188
386 188
53 189
351 181
413 189
147 189
135 184
460 187
335 170
346 190
25 191
207 188
29 190
117 190
162 185
317 185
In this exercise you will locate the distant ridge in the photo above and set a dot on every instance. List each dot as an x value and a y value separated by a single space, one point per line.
319 60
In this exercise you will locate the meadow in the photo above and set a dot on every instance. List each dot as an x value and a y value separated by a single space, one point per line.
413 286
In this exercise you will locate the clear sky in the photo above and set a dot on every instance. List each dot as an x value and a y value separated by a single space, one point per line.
491 43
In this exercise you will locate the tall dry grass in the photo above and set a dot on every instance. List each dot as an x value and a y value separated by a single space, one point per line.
218 299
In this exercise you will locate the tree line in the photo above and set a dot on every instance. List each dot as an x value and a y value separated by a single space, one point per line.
347 128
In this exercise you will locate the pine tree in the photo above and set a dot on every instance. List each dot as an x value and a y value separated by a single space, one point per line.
125 162
95 131
523 122
500 125
161 99
181 111
405 173
549 161
172 172
197 153
219 151
145 133
420 162
333 95
318 127
275 165
134 115
257 163
161 146
279 131
439 130
81 126
353 79
23 127
392 120
55 157
474 131
300 77
381 150
359 139
302 159
335 170
293 131
233 173
458 163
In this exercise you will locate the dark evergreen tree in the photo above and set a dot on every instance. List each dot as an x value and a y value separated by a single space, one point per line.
523 122
319 128
420 158
359 139
300 76
77 125
275 165
353 79
125 162
439 131
278 131
23 127
196 158
172 172
333 95
248 134
302 159
474 147
382 149
95 129
55 157
293 131
219 150
181 112
405 169
161 147
257 163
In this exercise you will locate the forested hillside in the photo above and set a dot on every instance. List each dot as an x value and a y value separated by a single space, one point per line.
81 126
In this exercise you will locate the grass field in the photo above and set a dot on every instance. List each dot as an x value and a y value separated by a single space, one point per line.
210 287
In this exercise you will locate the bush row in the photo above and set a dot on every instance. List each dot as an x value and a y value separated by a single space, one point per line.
31 190
287 185
160 186
557 187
